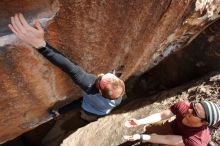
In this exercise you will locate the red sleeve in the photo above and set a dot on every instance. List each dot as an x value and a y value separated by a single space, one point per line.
193 142
200 138
180 108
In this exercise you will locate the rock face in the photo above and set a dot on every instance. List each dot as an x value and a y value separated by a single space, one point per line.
200 57
104 133
99 36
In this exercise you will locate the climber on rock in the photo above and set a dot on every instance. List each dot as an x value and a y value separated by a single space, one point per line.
188 124
101 93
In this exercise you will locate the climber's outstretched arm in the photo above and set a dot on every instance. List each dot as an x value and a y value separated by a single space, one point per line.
34 36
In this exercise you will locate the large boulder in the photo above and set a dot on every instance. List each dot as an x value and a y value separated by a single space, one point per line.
98 35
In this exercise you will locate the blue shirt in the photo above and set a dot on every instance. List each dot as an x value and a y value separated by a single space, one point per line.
97 104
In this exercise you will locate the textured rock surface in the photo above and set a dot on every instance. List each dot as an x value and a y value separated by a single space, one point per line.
29 85
98 35
200 57
104 133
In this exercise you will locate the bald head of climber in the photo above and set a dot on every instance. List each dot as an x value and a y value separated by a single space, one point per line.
110 86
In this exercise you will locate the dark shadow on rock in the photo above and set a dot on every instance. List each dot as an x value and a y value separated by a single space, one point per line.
71 106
